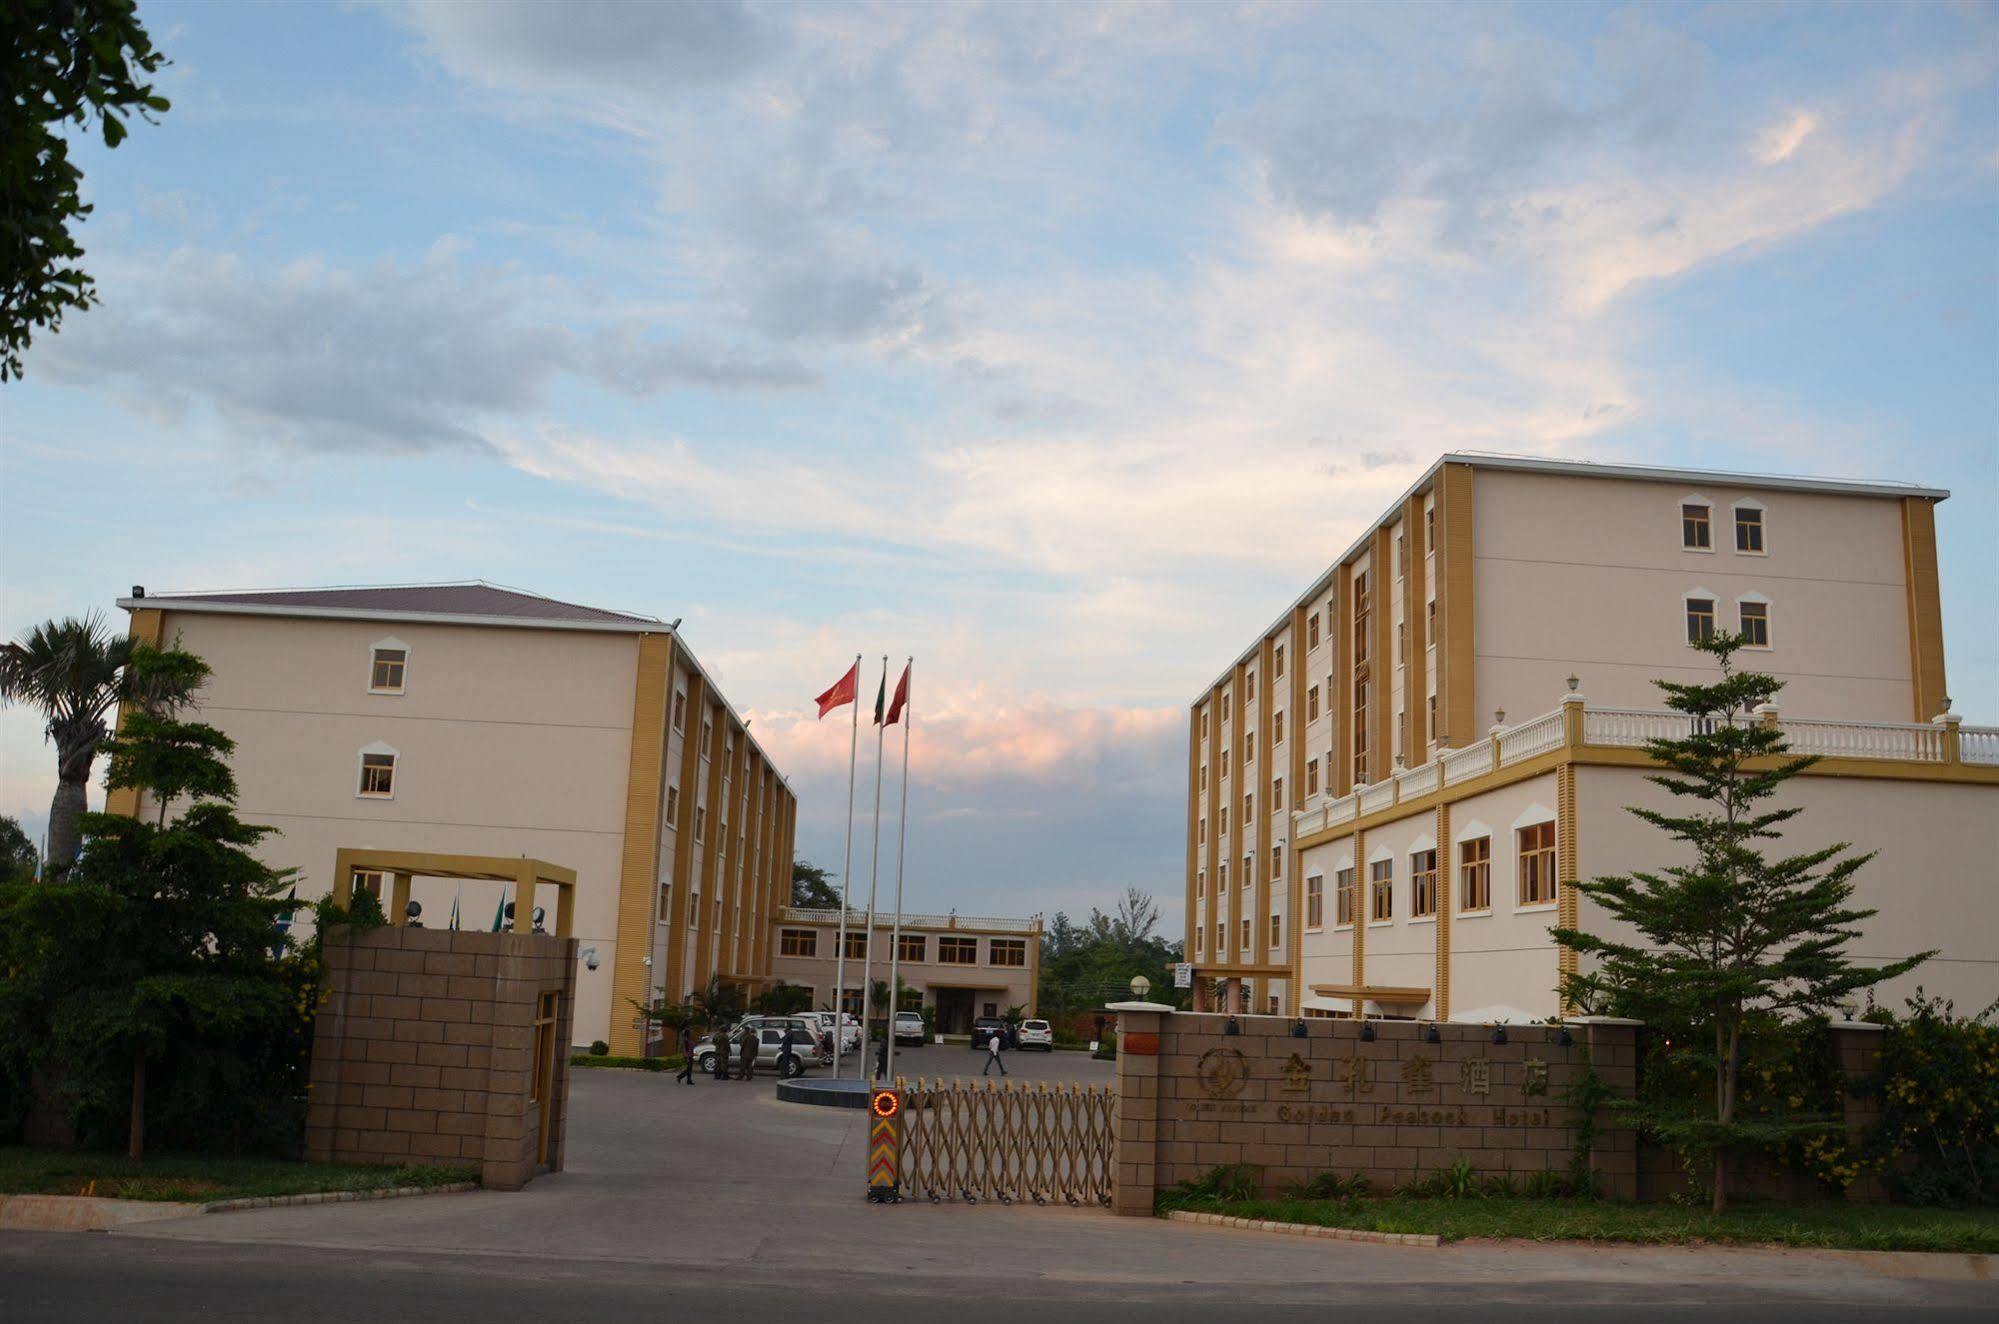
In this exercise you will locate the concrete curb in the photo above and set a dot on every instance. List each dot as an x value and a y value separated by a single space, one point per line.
335 1197
1307 1229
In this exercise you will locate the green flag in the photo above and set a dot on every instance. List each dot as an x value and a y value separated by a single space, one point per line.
881 698
500 911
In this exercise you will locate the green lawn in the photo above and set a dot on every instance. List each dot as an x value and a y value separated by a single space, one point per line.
197 1177
1827 1226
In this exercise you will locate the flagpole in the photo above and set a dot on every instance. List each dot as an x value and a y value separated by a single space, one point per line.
901 837
874 873
846 884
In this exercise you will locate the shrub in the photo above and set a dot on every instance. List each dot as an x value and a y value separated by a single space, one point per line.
1230 1183
1938 1083
598 1048
1460 1181
1334 1186
672 1063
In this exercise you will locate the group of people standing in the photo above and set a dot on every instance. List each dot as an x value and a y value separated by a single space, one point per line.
743 1046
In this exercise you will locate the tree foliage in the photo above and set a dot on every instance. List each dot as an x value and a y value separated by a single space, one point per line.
74 670
812 887
1730 935
162 959
66 63
1084 966
18 857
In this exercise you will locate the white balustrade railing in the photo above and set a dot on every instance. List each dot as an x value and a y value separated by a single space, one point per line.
1376 797
1631 726
1536 736
1342 810
1918 742
1978 744
1471 761
1419 781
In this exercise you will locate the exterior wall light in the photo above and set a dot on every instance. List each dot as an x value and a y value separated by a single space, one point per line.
1298 1030
1499 1034
1563 1039
1140 986
1367 1032
1232 1027
1433 1035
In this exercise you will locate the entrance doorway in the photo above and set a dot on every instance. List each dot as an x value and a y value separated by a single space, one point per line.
544 1072
954 1010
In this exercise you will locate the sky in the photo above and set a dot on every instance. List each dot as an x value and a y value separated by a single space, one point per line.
1059 347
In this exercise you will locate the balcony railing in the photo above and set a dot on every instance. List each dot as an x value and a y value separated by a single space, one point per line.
1939 742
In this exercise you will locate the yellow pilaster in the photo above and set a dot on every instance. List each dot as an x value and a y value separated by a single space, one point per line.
1457 712
1919 565
1447 890
1568 908
1415 685
639 864
675 979
147 625
1294 866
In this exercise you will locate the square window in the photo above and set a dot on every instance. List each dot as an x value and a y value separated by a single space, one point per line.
1748 529
1345 897
958 951
857 945
1695 535
386 676
798 942
371 881
1755 623
1700 619
378 774
1007 951
913 947
1315 902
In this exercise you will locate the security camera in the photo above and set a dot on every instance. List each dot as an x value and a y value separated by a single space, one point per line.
590 958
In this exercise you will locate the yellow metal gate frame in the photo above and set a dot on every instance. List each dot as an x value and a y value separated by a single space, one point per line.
1019 1140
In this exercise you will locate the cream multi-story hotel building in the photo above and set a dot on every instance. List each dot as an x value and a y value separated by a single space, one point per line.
1391 789
472 719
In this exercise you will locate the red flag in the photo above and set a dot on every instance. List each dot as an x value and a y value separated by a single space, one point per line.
842 692
901 697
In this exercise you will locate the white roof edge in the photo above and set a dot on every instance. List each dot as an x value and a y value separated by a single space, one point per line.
1574 469
200 604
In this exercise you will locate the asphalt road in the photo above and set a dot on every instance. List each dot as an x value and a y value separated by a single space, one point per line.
719 1198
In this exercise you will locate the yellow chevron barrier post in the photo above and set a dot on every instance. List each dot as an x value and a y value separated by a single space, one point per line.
884 1141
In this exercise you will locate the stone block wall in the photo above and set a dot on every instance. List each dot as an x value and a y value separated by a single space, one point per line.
423 1050
1192 1097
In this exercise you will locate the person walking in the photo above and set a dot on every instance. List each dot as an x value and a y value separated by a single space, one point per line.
747 1062
993 1052
686 1042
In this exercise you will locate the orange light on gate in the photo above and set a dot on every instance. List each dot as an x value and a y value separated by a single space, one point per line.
885 1103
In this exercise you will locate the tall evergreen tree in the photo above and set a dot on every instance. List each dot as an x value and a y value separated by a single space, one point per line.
1731 934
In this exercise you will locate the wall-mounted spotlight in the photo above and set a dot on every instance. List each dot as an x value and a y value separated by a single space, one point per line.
1298 1030
1433 1035
1367 1032
1499 1034
1232 1027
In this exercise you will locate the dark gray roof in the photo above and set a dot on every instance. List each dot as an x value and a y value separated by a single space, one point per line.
471 599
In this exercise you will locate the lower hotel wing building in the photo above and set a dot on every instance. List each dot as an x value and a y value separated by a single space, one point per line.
475 720
1392 790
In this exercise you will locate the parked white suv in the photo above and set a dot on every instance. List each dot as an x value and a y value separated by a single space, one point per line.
1035 1034
850 1028
909 1027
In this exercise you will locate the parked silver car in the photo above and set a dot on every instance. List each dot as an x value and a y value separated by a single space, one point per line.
786 1045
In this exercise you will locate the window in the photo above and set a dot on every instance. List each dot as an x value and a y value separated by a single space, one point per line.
857 945
1277 729
673 806
1245 929
1200 942
1430 526
370 881
1225 820
701 822
1204 776
1225 763
1401 641
1248 747
707 737
1755 617
665 903
378 774
1276 931
1222 938
386 675
1277 793
1248 810
1431 724
1273 1003
680 710
1249 687
1423 883
1700 619
1401 555
1225 705
1311 776
1430 623
1248 875
1200 884
1695 535
1381 886
1007 951
1315 902
1344 898
1222 878
1749 529
1312 704
1537 864
798 942
1203 838
1312 630
1475 874
1277 662
693 910
958 951
1277 861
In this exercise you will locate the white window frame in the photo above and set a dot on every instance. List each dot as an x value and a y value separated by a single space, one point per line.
1534 815
1471 831
1769 616
1679 519
1748 503
1712 597
395 770
393 643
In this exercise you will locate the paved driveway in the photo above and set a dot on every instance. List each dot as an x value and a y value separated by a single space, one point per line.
721 1186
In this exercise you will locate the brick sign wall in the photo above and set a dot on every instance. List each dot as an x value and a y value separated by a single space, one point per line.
425 1049
1193 1097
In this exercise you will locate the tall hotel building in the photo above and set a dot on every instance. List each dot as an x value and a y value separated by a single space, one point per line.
1391 790
476 720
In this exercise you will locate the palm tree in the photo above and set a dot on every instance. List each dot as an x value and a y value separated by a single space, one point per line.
74 671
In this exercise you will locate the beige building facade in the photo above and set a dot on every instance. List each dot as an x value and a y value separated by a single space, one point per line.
965 968
472 719
1366 760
